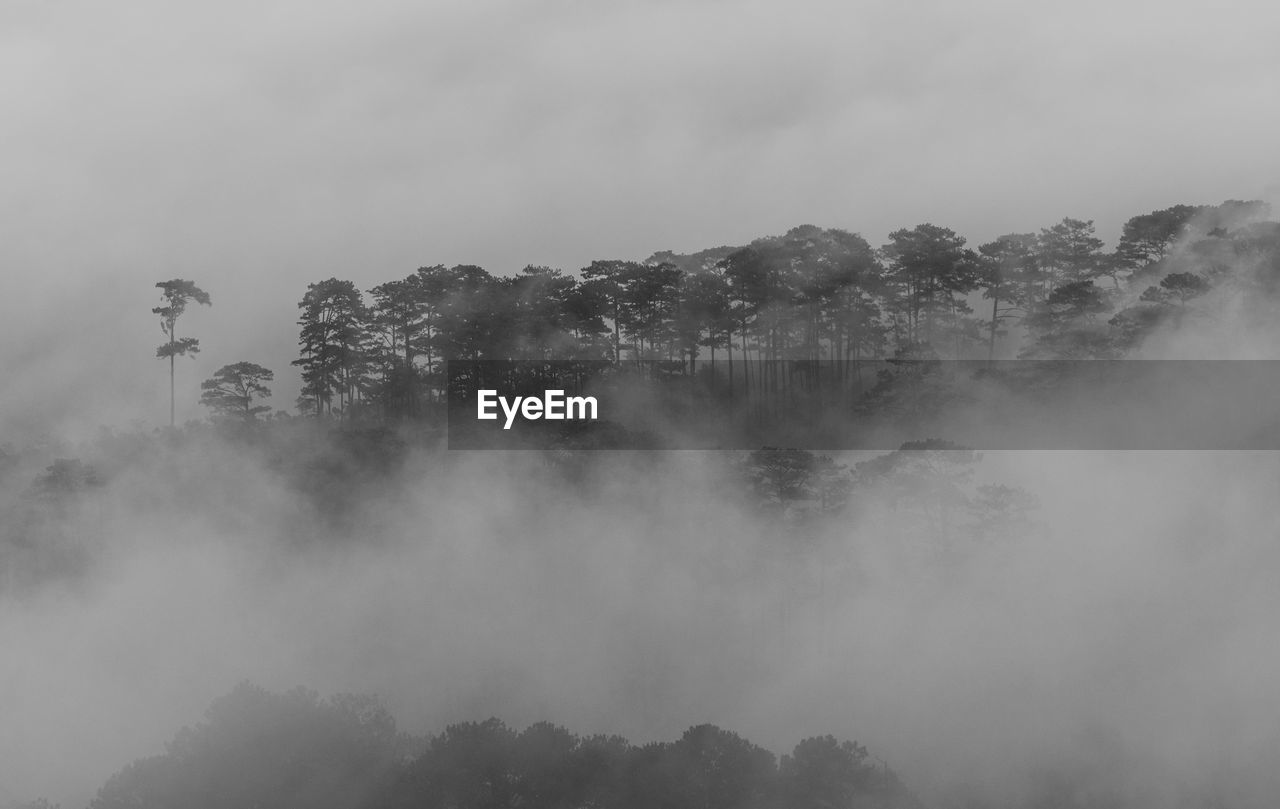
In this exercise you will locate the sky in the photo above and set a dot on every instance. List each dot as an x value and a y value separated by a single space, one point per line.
257 147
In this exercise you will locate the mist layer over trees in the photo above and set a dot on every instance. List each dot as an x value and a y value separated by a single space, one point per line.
994 629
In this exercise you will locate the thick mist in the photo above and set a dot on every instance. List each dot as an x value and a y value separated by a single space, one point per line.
1116 648
1124 645
1119 647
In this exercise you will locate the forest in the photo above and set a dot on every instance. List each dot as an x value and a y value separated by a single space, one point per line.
257 748
762 546
812 338
823 300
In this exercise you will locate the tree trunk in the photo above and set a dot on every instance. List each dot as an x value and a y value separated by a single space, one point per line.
991 343
728 345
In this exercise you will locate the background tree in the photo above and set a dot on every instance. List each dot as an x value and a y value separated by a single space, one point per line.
927 484
1069 252
1132 325
296 751
176 293
718 769
1231 215
606 281
931 271
333 339
232 389
1149 237
822 772
1179 286
470 764
1009 273
650 299
703 315
1174 291
828 278
64 479
1065 326
398 324
753 285
781 478
465 322
257 748
536 309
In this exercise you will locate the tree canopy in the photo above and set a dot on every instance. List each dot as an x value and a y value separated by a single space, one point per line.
232 390
258 748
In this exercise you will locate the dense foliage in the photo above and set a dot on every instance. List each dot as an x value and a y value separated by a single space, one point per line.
811 294
257 748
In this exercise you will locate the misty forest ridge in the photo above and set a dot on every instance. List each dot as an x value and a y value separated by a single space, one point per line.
822 300
909 598
663 404
294 750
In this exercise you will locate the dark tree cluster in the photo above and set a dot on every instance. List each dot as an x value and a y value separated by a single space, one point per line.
811 294
257 748
807 296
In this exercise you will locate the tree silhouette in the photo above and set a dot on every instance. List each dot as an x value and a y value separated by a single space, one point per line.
1183 286
1069 252
231 391
177 293
1010 275
294 750
607 282
1148 238
333 339
931 271
398 325
1065 325
822 772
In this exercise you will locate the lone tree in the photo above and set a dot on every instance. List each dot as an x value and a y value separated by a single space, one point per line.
176 294
232 390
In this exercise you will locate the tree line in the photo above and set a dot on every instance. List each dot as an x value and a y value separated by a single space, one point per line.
259 748
809 295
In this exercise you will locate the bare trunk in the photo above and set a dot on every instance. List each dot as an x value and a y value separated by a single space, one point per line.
991 343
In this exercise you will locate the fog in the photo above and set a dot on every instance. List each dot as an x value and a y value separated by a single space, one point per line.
1121 648
1124 644
1127 643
